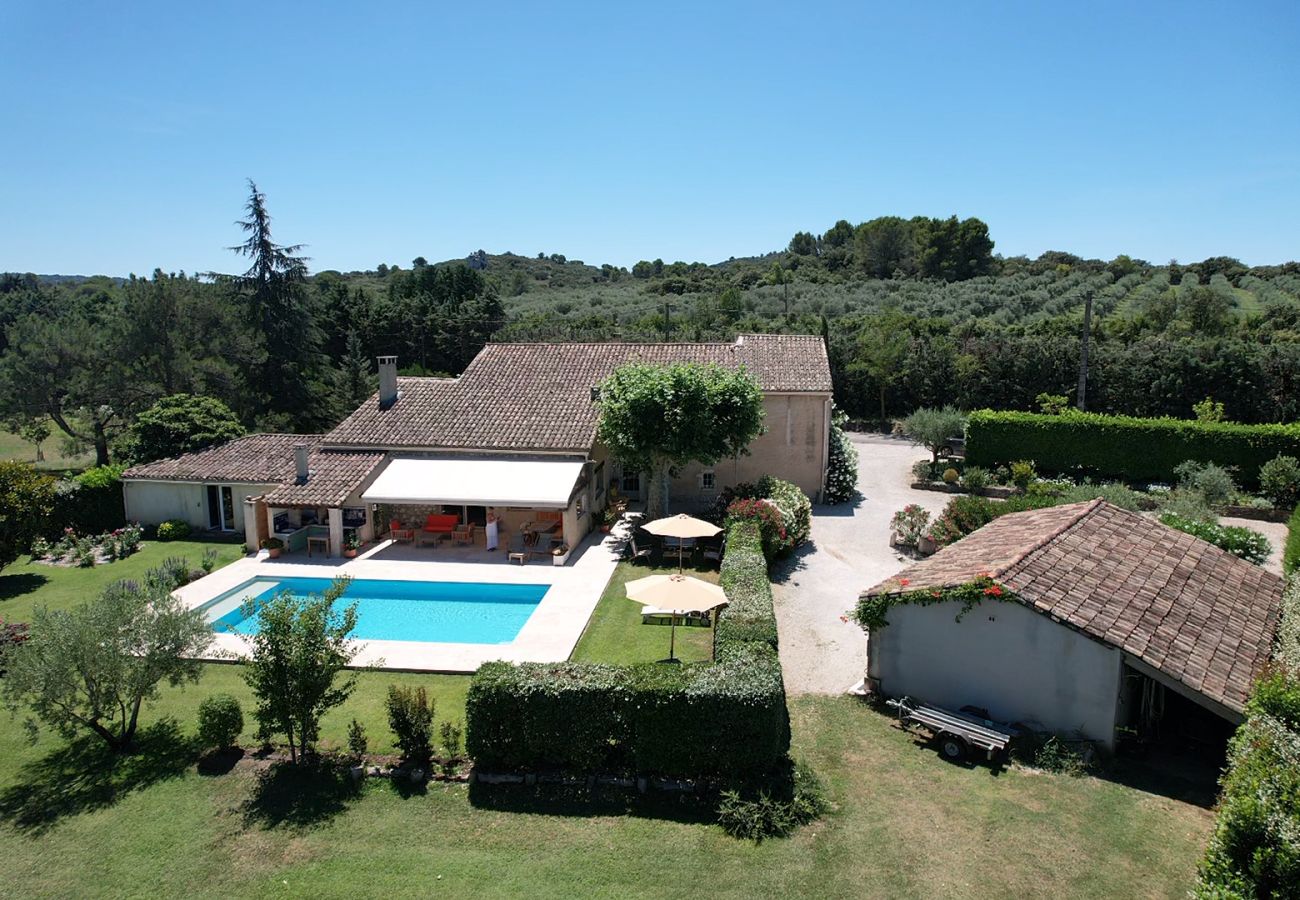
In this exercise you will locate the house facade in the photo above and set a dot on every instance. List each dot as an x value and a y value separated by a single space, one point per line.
1113 621
516 433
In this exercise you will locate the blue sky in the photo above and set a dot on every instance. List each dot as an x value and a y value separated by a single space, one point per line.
615 132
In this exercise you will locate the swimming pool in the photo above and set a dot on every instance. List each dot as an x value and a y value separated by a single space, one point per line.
442 611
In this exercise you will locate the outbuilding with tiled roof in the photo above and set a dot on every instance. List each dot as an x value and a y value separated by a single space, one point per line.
1103 618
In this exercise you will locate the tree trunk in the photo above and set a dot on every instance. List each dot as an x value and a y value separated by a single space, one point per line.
1083 353
128 736
882 404
656 505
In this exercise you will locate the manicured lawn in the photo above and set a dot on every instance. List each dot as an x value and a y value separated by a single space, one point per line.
74 822
615 633
26 584
905 825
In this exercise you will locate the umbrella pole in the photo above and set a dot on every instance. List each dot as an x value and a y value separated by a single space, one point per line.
672 638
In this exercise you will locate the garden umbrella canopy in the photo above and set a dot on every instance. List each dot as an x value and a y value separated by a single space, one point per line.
682 526
677 593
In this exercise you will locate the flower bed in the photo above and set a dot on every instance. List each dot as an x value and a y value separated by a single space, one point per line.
88 550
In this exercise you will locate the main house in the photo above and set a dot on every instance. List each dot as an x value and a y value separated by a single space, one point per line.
515 432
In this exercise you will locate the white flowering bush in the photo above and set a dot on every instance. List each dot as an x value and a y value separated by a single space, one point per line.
841 463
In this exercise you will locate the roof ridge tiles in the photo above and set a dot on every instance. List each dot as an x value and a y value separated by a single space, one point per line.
1041 543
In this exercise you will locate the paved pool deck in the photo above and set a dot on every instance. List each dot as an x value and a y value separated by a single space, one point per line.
549 635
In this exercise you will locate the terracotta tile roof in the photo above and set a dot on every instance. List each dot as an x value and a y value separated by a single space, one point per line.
269 459
1197 614
331 476
538 396
254 459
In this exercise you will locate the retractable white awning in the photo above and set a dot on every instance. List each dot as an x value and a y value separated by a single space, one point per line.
540 484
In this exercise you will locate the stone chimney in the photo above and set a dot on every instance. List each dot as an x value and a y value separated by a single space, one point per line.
300 462
387 381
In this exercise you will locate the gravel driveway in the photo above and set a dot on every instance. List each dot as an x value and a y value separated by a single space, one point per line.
848 553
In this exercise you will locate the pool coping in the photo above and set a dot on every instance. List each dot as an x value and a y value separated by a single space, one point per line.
549 635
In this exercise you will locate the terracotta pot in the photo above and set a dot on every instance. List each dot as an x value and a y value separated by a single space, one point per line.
350 553
273 552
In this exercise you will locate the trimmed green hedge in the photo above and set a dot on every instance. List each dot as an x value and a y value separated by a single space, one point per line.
1255 848
726 718
1291 553
1123 446
749 615
89 503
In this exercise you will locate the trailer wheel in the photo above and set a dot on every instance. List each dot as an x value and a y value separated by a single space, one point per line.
952 747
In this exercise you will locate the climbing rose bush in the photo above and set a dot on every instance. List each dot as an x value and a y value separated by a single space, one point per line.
771 526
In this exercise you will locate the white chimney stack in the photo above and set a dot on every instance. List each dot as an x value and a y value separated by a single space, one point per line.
300 461
387 381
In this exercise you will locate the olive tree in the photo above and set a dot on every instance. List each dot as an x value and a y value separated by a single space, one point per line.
92 667
656 419
933 428
300 648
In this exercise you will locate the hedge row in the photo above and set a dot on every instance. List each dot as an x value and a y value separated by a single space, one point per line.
1255 848
1123 446
89 503
724 719
1291 552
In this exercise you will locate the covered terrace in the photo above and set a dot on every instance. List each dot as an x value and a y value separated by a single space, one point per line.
428 501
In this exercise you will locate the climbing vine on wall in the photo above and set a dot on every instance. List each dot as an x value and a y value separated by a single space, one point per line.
870 611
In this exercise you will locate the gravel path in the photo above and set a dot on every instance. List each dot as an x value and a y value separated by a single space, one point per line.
848 553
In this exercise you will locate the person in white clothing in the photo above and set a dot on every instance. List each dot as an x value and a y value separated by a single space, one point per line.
491 529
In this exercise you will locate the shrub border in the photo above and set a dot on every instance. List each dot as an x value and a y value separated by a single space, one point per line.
1125 447
725 719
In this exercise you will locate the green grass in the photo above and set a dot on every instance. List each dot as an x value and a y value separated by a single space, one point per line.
904 824
14 447
27 584
75 822
615 633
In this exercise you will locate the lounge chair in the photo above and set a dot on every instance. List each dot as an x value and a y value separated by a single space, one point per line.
518 552
542 544
637 552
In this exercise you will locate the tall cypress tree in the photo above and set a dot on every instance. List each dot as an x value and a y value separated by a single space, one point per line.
292 377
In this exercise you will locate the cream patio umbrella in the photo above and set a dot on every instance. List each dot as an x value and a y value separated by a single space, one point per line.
679 595
682 526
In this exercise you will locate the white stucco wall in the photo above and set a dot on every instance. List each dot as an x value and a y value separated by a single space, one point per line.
154 502
1010 660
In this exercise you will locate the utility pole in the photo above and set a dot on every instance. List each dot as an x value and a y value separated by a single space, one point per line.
668 320
1083 352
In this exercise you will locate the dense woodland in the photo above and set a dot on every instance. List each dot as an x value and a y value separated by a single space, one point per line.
917 312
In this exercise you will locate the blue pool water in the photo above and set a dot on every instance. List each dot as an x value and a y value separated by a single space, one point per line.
443 611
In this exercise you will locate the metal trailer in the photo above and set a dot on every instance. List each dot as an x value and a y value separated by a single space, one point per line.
956 732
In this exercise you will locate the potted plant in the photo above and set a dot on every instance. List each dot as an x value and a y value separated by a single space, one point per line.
272 546
608 516
560 555
351 544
